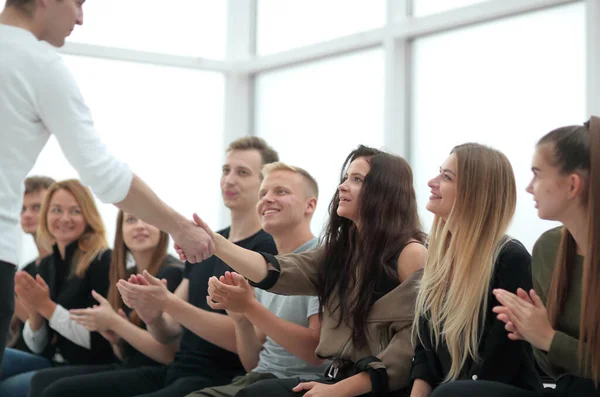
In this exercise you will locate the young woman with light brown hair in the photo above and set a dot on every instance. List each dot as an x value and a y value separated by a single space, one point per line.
138 246
456 333
78 265
560 318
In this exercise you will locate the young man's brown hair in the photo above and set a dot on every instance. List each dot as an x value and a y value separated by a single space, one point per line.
268 154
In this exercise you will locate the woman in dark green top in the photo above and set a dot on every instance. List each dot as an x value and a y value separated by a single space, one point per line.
561 317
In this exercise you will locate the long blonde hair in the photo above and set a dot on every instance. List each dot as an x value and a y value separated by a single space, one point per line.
93 240
462 251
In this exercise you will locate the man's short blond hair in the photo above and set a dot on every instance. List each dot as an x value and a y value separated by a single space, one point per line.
313 187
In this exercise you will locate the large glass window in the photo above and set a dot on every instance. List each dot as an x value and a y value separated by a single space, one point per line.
505 84
166 123
315 114
180 27
427 7
283 25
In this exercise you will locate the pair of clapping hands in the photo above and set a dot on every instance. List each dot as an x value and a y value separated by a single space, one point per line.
34 295
150 297
525 317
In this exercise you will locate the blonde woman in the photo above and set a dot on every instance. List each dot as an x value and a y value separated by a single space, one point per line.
138 246
456 333
78 265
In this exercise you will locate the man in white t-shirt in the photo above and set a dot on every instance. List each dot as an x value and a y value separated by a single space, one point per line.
39 97
276 335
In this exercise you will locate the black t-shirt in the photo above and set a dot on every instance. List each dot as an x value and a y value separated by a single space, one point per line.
172 271
196 354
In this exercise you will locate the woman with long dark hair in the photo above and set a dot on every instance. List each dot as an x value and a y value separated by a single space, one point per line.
365 273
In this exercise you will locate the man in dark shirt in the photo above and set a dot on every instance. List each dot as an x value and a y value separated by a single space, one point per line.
207 355
35 190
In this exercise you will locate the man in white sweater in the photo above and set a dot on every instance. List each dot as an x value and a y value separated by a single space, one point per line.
39 97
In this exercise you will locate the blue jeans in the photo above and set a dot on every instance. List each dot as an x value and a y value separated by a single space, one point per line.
17 370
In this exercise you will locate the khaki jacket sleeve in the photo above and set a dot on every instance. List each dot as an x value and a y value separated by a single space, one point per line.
292 274
397 356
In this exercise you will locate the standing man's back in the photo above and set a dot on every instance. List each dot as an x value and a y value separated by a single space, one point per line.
36 85
39 97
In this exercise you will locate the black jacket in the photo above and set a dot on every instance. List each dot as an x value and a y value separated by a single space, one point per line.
73 292
501 359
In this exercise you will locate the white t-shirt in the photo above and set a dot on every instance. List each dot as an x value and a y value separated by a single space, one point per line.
273 358
39 97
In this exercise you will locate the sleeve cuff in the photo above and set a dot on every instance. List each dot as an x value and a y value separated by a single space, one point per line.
420 370
563 352
273 272
313 307
62 323
377 372
116 192
35 340
558 347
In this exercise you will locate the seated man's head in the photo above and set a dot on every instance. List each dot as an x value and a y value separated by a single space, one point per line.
35 190
287 199
241 176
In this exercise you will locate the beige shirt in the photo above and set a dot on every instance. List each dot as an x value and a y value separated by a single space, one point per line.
388 325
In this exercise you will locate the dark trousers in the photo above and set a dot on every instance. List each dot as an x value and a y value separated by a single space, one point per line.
567 386
144 381
235 386
283 387
45 377
7 301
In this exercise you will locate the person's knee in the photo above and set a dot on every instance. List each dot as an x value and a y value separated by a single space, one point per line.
60 388
251 391
242 393
17 385
40 382
451 389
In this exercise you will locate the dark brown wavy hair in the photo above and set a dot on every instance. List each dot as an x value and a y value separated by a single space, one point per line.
358 262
